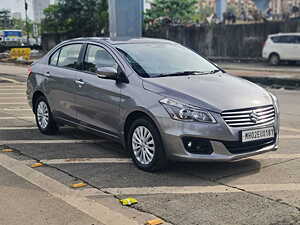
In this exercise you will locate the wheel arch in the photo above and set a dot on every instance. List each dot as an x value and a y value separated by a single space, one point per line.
273 53
132 116
35 97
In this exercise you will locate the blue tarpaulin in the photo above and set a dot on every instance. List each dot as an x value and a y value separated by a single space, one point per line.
12 34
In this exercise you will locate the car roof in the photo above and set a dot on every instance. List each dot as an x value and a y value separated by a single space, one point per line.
120 40
284 34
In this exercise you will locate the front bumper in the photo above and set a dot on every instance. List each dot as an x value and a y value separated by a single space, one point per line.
218 135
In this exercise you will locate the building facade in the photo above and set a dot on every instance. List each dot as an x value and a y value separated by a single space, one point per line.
38 8
283 6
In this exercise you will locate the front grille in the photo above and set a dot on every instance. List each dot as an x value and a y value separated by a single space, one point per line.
250 116
237 147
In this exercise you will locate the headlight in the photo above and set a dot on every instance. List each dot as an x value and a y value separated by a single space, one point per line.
183 112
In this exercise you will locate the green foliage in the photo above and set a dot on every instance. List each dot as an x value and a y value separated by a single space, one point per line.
176 11
20 24
203 12
77 17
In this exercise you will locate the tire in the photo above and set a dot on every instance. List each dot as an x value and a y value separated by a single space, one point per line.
151 164
274 59
42 112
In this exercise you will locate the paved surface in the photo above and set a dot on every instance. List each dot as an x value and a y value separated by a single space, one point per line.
261 190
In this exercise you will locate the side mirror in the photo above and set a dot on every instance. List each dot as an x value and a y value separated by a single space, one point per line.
107 73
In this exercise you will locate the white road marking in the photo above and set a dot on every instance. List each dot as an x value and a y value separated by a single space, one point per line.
12 93
17 117
13 86
270 187
72 141
289 137
290 129
127 160
170 190
13 103
202 189
86 160
60 191
18 128
10 80
13 89
22 97
16 109
276 156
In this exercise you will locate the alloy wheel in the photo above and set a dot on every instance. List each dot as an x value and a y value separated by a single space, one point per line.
143 145
42 114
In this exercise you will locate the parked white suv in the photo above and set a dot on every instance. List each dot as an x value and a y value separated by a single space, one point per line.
282 47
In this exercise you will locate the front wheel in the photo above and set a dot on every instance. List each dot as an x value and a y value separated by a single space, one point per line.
145 145
44 118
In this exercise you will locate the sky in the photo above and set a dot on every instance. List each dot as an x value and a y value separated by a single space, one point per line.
18 6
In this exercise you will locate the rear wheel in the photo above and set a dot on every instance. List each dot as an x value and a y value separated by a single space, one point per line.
145 145
44 118
274 59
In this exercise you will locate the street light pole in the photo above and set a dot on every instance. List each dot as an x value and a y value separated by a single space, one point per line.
26 21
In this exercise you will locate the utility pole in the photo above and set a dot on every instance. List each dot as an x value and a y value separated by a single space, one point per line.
26 21
125 18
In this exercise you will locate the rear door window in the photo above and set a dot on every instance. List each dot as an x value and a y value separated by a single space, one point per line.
287 39
69 56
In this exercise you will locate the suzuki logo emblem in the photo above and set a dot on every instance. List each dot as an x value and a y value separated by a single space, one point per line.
254 117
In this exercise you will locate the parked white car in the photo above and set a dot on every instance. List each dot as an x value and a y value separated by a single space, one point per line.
282 47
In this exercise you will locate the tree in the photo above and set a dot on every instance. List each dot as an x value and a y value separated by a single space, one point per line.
20 24
77 17
5 19
176 11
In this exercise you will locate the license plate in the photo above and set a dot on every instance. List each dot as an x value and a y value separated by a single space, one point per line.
258 134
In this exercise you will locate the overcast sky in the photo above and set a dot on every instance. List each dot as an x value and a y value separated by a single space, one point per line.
17 6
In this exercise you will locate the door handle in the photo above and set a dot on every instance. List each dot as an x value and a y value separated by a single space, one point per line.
79 82
47 74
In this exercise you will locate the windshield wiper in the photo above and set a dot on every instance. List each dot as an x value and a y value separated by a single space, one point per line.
183 73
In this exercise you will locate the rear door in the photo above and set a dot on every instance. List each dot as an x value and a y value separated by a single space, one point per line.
97 99
286 46
62 73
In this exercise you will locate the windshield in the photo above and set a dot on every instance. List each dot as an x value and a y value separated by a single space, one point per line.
159 59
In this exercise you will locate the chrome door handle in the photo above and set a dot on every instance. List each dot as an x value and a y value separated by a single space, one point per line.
47 74
79 82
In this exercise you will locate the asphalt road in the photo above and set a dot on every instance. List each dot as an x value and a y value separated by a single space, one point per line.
261 190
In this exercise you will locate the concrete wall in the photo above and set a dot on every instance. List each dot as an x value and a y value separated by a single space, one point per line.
233 40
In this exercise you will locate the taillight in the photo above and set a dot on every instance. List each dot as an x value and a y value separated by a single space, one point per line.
29 71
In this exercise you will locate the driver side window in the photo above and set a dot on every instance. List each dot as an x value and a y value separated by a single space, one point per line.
97 58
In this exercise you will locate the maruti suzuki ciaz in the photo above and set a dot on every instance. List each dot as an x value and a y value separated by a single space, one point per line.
161 100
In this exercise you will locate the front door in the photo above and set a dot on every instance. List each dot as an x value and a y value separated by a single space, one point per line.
97 99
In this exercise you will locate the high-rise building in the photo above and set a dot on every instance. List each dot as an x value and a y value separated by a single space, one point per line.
38 8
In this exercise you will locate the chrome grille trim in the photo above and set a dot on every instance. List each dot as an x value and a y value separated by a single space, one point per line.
242 117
